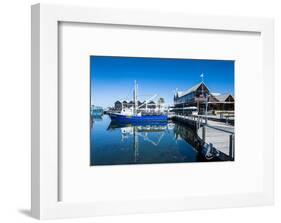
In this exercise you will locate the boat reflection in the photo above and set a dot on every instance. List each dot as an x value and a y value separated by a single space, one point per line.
140 130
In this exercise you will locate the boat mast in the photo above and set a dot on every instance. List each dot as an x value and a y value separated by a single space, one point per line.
135 98
136 144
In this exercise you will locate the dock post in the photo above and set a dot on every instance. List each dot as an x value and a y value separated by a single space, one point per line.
233 147
203 133
211 148
231 156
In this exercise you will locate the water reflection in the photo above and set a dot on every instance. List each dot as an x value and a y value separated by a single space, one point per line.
113 143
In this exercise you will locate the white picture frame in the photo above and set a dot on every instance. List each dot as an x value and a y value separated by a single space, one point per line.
45 202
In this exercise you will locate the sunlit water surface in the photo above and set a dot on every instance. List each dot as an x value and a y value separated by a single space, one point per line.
113 143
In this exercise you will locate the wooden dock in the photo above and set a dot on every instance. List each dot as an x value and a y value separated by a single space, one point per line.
215 134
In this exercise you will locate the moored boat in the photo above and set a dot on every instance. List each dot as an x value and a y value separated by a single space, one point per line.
136 115
96 111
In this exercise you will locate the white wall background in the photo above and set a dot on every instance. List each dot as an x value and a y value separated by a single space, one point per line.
15 108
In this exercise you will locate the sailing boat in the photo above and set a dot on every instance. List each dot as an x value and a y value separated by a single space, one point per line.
134 115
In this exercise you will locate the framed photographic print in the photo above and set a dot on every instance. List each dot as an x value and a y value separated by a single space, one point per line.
171 126
139 111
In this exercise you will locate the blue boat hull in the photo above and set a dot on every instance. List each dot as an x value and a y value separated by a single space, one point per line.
138 119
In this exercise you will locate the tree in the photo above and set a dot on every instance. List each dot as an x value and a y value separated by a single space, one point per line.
161 101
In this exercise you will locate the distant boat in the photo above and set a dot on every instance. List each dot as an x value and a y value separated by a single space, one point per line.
96 111
135 115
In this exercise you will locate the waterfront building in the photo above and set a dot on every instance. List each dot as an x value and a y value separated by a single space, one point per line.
118 106
125 104
141 105
131 104
197 96
151 105
225 103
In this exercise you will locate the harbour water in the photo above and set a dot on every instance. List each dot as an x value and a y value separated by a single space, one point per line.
168 142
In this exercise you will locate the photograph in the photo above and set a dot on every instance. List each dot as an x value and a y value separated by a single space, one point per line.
147 110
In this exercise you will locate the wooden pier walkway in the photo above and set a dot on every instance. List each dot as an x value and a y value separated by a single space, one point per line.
219 139
215 134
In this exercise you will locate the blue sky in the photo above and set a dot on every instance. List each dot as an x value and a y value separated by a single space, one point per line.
112 78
